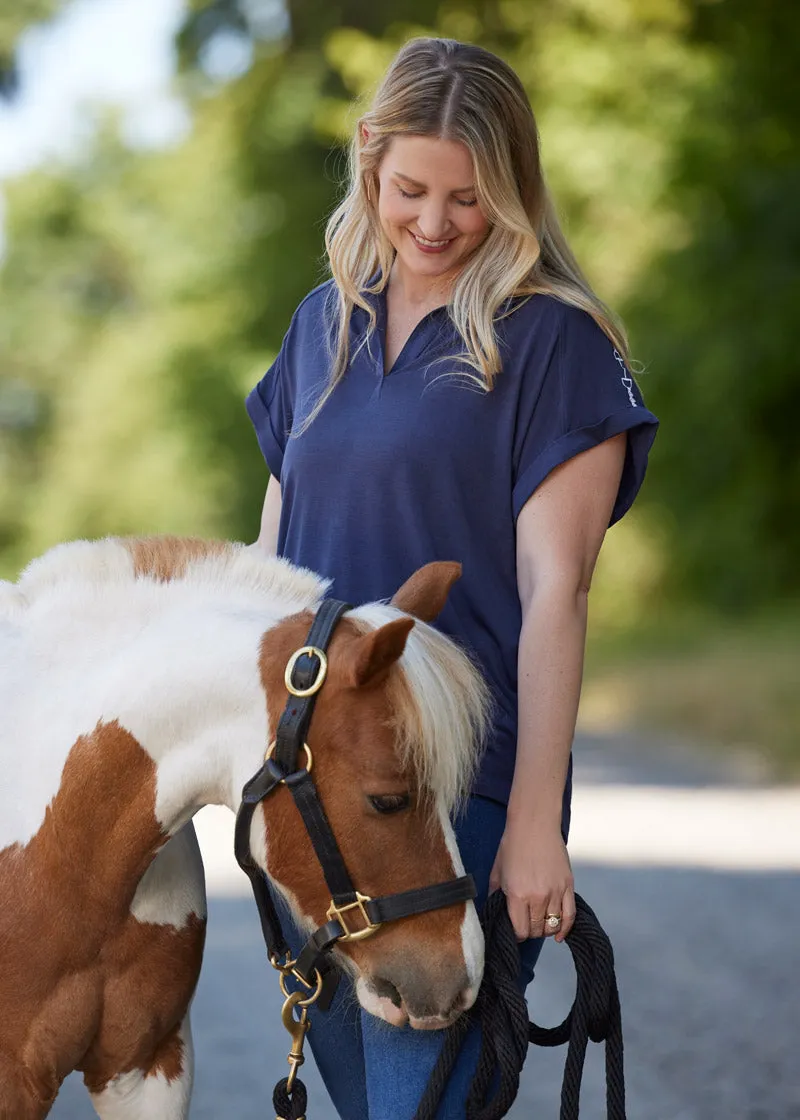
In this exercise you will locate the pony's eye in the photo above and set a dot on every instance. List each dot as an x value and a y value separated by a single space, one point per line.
390 802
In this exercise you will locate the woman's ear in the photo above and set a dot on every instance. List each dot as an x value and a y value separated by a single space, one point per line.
364 133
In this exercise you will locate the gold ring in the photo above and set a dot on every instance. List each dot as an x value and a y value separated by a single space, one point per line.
306 748
553 921
312 998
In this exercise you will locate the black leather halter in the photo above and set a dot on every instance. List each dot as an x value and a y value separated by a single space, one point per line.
351 915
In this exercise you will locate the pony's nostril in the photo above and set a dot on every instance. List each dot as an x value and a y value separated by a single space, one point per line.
386 990
463 1001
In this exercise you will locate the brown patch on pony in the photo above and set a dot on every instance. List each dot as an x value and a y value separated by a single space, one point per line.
167 558
352 740
168 1058
151 972
68 938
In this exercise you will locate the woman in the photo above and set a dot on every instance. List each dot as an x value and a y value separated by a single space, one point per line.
457 391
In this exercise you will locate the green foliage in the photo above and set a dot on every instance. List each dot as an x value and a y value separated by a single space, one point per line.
142 294
15 17
715 315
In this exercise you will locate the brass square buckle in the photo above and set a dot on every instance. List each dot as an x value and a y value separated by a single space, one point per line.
319 679
335 913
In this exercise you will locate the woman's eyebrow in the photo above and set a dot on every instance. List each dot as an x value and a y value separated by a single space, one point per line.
416 183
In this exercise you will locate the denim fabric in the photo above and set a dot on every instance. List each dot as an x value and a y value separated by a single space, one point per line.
377 1072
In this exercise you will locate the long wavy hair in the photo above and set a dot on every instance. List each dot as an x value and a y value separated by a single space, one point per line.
460 92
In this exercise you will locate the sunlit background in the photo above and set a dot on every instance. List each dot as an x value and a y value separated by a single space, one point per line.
166 169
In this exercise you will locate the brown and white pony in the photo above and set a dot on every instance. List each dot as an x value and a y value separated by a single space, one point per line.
141 680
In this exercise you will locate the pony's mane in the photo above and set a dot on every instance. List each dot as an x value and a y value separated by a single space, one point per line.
221 564
441 705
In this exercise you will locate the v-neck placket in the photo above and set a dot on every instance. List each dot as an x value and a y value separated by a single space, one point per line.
414 346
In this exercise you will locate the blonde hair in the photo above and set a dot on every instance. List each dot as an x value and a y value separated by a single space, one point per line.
461 92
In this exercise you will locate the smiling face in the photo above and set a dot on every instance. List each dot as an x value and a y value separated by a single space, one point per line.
428 207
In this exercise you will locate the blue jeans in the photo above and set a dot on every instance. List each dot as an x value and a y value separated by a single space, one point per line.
373 1071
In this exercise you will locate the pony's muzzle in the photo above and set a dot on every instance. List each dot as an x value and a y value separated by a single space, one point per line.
425 999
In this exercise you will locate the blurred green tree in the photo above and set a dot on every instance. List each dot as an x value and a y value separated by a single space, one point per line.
15 17
715 315
142 293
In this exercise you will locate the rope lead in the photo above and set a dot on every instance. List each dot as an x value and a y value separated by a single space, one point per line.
290 1105
505 1031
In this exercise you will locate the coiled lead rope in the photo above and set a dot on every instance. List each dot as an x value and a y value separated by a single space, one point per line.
506 1031
290 1104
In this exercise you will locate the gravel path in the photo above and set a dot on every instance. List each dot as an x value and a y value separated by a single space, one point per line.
693 870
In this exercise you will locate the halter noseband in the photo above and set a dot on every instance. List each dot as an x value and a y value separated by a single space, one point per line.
351 915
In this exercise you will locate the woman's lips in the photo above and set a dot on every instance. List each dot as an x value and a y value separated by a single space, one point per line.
431 246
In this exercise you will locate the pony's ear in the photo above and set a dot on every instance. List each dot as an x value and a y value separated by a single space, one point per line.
425 593
373 653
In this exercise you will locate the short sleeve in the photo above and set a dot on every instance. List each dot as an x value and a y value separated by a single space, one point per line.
270 408
584 395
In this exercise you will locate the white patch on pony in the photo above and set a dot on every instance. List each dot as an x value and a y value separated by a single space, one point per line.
472 939
173 887
135 1096
12 602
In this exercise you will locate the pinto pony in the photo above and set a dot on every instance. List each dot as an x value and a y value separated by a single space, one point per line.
143 679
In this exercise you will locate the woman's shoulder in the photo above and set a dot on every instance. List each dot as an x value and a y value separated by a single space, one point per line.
314 305
545 311
541 323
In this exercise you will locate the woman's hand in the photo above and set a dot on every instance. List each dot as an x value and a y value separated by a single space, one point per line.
532 869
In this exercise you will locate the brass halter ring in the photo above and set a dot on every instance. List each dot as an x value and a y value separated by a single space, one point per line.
319 680
306 748
307 1000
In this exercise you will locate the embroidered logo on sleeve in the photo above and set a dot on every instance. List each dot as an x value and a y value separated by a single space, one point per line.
626 379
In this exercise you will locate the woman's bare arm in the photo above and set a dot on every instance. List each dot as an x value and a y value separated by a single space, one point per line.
270 519
559 534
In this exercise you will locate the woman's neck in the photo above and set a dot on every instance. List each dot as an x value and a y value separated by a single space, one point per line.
419 293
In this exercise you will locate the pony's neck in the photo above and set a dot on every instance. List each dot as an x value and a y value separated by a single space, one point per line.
200 710
179 676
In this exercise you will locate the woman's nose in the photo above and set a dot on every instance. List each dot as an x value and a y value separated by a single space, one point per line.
433 220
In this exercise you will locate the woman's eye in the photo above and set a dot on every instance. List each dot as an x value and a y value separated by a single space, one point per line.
390 802
418 194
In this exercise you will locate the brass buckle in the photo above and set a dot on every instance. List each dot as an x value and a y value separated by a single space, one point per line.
319 680
306 748
335 912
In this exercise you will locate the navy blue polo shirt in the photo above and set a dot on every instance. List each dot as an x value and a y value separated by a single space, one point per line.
419 465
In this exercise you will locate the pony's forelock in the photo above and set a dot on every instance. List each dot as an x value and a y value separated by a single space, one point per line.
441 707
